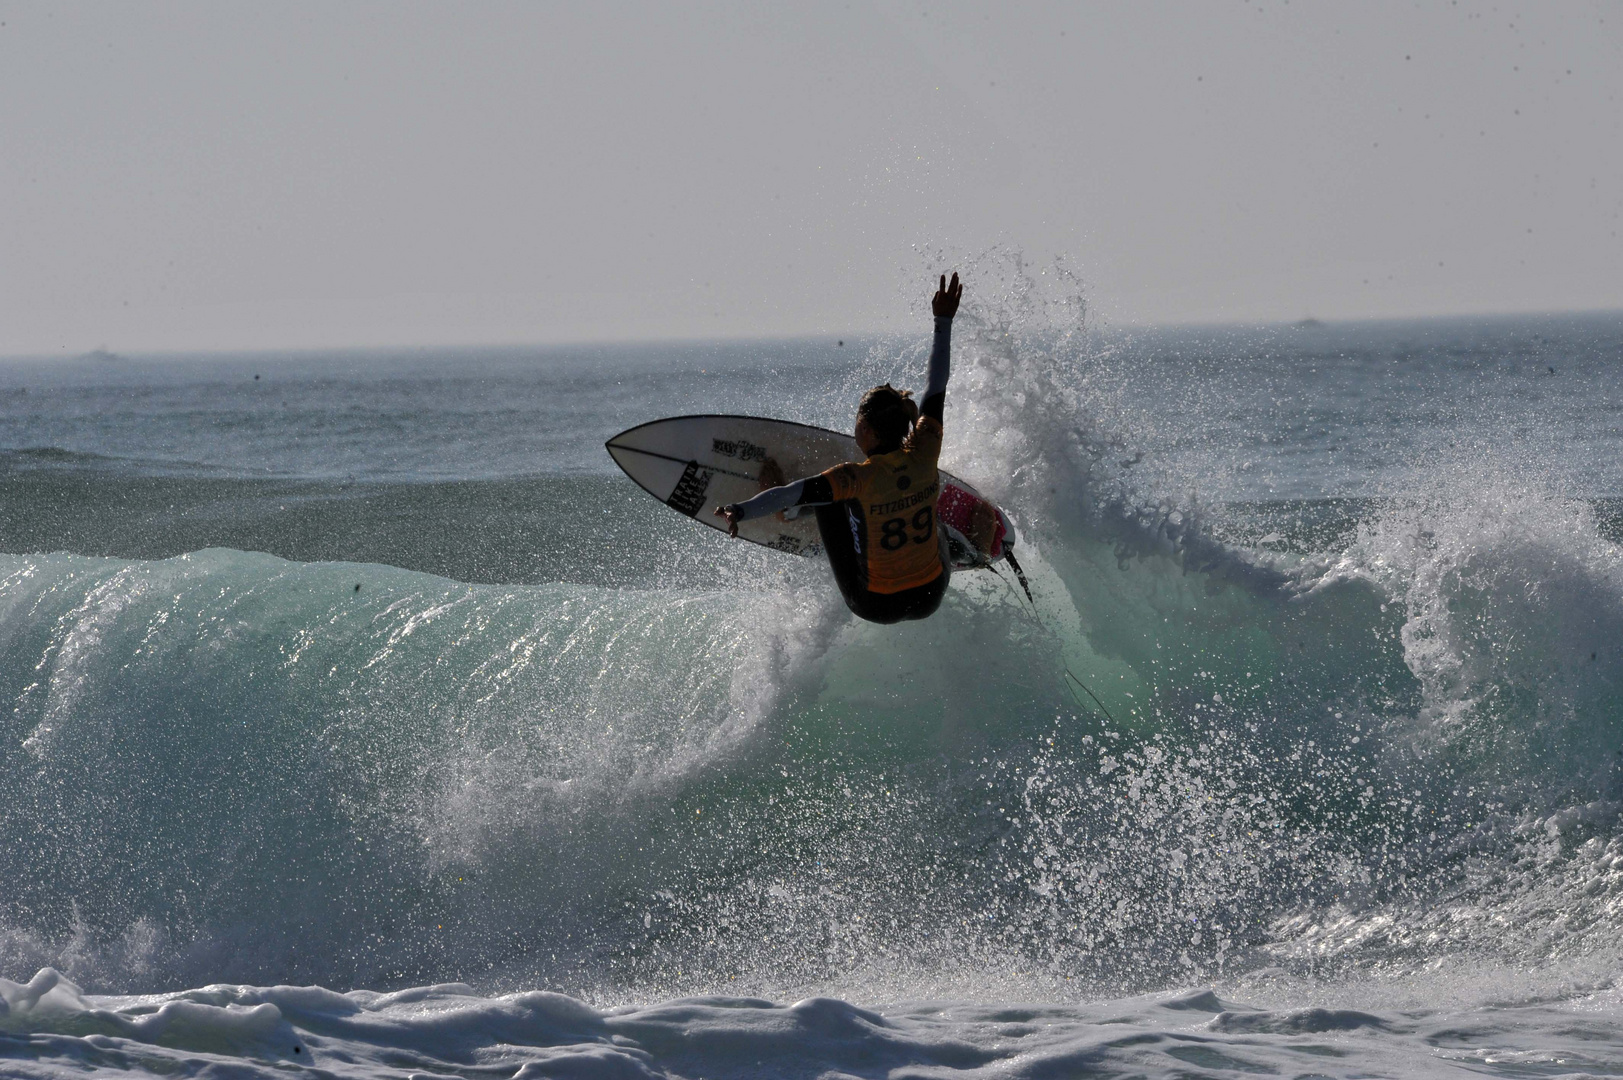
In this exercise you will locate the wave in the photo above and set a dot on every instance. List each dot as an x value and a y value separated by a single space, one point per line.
36 457
1360 736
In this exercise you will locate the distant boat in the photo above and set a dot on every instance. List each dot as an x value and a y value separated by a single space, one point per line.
101 354
1308 323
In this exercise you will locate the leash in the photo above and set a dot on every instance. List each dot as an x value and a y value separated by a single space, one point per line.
1025 585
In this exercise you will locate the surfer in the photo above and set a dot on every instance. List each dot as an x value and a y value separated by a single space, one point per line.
877 517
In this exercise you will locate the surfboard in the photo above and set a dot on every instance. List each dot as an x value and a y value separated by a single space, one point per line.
693 464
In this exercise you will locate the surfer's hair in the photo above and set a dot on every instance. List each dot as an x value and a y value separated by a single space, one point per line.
890 414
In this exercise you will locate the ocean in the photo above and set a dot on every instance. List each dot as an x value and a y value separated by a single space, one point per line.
362 720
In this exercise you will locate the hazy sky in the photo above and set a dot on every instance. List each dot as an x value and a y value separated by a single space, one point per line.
266 175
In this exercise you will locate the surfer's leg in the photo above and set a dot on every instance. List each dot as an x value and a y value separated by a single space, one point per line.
840 539
922 600
919 602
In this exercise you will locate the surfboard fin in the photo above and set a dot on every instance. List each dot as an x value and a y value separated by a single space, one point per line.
1019 575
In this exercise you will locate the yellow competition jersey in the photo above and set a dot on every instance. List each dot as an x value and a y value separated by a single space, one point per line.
890 503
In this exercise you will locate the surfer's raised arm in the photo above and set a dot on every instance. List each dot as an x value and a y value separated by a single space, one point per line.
945 306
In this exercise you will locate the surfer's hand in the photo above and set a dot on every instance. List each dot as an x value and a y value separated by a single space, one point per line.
945 301
733 515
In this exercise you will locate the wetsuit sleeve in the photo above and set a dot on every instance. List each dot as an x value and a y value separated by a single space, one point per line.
935 391
812 491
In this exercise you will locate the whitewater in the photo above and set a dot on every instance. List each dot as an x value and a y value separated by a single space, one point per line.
362 720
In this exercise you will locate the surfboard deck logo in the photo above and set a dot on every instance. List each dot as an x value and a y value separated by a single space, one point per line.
688 496
740 448
695 463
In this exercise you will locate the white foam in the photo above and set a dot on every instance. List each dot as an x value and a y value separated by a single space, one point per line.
53 1030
